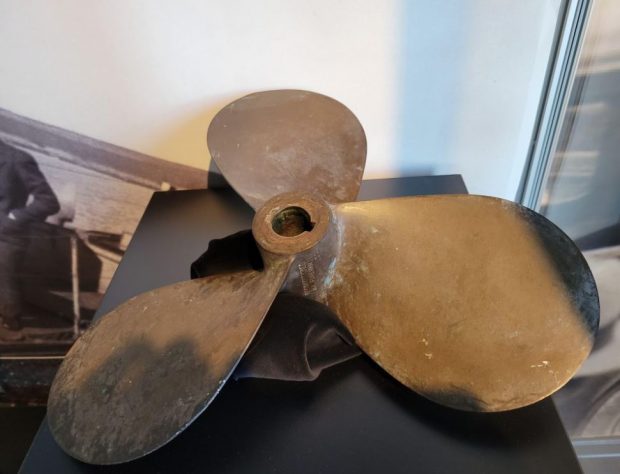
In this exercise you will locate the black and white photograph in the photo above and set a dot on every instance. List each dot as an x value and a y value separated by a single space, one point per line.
70 205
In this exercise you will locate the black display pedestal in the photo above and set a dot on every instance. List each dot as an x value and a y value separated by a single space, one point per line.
353 419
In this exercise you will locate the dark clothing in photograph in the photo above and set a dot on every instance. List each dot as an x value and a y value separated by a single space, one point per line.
25 197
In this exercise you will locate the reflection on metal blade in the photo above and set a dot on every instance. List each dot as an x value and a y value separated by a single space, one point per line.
273 142
474 302
146 370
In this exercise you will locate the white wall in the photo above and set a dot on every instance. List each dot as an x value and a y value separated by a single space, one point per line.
448 87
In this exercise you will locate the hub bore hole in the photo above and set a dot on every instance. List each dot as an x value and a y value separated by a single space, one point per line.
291 221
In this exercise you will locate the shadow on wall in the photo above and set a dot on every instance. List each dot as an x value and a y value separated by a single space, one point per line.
427 97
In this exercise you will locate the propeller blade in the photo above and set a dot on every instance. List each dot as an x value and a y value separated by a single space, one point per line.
474 302
146 370
269 143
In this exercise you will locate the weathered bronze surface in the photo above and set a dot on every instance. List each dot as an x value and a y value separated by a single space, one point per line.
146 370
474 302
273 142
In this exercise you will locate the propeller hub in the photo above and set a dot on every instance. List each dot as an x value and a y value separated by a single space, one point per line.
291 223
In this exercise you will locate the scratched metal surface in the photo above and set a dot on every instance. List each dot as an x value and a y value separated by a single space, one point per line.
474 302
273 142
146 370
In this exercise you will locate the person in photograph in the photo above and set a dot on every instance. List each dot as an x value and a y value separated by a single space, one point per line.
25 197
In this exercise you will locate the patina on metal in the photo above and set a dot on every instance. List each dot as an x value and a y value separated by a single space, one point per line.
474 302
273 142
146 370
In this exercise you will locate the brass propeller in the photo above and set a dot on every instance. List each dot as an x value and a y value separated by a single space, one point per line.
474 302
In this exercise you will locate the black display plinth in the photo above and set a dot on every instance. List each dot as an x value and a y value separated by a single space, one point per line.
353 419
